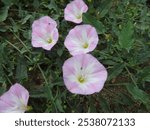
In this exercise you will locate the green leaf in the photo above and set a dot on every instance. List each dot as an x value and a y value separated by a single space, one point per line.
116 71
109 62
104 104
21 71
37 93
92 108
4 28
1 74
1 63
60 51
48 91
126 36
124 99
52 5
105 7
4 13
26 19
15 25
59 105
8 2
118 108
145 74
88 19
36 4
139 95
147 78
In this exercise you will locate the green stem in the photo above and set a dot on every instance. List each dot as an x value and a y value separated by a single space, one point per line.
21 41
29 60
43 75
6 75
118 84
14 46
127 69
131 76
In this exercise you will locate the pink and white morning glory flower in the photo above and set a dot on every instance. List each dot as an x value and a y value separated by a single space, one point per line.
84 74
81 39
14 100
44 33
74 10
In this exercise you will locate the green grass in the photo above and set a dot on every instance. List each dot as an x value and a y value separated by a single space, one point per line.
124 48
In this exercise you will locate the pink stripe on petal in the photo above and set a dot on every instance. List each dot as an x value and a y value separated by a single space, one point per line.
55 35
92 46
88 60
81 5
44 29
87 67
69 9
85 42
4 98
75 8
3 106
68 70
102 74
14 100
48 21
94 88
71 85
20 92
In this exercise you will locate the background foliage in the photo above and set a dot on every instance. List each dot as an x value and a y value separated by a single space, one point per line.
124 48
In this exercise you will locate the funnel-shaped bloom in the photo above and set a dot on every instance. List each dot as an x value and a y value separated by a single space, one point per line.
81 39
84 74
14 100
44 33
74 11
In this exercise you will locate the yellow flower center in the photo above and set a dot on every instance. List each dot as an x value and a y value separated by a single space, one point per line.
49 40
81 79
79 16
28 108
85 45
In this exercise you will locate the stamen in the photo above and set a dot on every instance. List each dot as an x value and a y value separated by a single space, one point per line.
28 108
81 79
85 45
79 16
49 40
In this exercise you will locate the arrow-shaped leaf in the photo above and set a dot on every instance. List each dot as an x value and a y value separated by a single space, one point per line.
126 36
